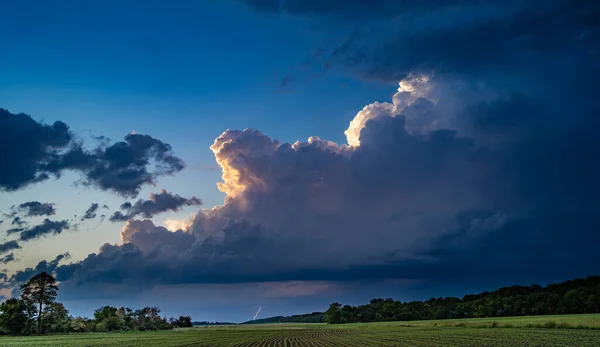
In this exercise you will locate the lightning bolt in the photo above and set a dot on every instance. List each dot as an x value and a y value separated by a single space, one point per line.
257 312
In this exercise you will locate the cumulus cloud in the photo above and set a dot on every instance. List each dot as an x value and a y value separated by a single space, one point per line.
420 189
10 257
31 151
123 167
90 213
9 246
179 224
47 227
158 203
409 101
36 208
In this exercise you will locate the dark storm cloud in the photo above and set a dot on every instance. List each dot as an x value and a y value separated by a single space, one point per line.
9 246
47 227
36 208
158 203
425 191
497 42
10 257
90 213
31 151
25 145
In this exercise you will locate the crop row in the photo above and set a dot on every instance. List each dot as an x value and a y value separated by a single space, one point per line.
363 335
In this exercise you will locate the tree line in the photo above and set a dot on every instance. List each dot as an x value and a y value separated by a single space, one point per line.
569 297
37 312
205 323
315 317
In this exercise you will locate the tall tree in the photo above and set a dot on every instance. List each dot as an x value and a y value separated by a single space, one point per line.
40 290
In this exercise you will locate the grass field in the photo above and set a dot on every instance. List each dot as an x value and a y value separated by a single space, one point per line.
572 330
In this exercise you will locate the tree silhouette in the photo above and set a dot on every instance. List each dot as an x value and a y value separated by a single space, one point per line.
40 290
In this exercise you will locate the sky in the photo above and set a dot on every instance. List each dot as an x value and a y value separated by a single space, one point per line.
214 157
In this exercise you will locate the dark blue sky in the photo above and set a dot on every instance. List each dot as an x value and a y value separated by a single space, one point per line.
392 149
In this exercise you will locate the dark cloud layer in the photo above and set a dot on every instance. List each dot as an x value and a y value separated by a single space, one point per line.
36 208
9 246
24 275
90 213
483 164
31 151
47 227
459 36
158 203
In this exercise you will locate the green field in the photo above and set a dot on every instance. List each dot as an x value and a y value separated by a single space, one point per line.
566 330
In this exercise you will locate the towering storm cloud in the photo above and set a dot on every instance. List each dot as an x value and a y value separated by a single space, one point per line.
407 197
31 151
482 164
